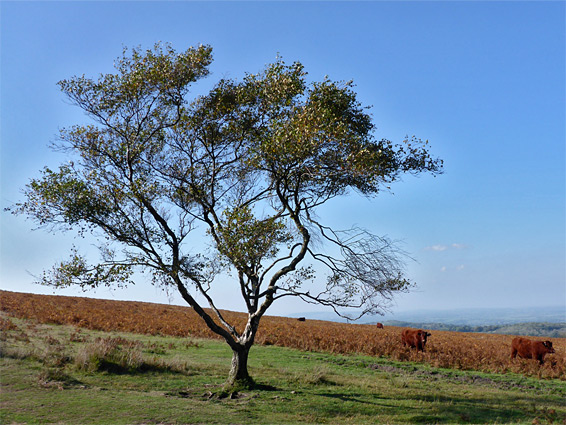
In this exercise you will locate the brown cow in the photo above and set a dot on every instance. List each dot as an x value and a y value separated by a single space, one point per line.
415 338
379 325
528 349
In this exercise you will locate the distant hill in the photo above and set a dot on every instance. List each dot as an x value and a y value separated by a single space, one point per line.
534 321
550 330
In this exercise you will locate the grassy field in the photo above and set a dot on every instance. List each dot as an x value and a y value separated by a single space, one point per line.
69 375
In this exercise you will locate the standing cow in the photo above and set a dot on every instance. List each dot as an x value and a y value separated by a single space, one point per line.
527 349
379 325
415 338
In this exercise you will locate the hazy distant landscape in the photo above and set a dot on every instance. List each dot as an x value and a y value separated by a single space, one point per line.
544 329
539 321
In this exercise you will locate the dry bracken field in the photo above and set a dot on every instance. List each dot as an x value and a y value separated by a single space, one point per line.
454 350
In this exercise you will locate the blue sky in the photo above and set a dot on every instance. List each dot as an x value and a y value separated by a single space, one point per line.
484 82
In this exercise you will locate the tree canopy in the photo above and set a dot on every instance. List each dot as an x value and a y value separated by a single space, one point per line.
244 167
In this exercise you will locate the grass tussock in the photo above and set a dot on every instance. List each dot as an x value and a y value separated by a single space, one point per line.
110 354
319 375
118 355
56 378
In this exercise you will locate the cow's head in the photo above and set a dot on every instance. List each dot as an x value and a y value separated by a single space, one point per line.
548 346
423 335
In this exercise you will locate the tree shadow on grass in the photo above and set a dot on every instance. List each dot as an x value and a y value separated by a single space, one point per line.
119 369
216 392
445 409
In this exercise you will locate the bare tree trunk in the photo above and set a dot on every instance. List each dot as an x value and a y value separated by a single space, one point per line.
239 376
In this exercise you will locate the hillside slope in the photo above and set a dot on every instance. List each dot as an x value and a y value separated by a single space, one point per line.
468 351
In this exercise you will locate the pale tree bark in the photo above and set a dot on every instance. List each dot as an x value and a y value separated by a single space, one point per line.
239 375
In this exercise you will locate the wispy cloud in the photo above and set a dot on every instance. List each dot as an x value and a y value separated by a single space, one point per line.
437 248
458 246
458 268
440 248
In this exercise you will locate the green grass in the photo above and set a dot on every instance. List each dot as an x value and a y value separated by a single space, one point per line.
179 381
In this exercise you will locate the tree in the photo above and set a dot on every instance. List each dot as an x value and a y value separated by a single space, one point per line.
244 167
